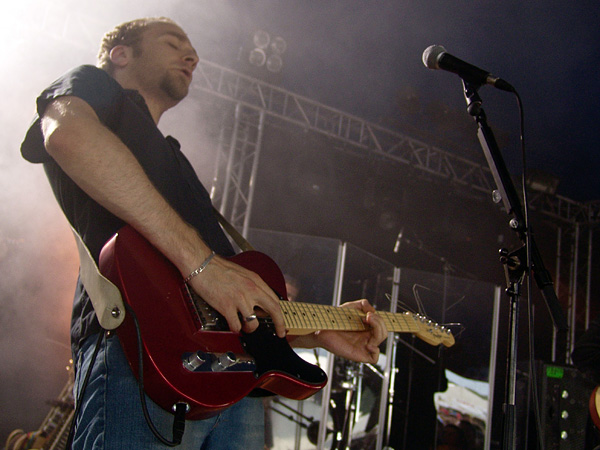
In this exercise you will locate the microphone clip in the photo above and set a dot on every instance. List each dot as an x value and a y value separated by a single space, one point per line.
474 102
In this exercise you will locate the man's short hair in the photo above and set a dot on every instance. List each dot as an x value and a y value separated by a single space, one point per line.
128 33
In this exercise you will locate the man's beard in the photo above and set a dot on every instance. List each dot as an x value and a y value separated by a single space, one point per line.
174 86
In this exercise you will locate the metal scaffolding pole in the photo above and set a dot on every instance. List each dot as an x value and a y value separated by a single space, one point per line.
227 178
573 293
252 180
557 281
588 291
235 173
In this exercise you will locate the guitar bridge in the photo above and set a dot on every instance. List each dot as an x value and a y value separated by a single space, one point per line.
207 318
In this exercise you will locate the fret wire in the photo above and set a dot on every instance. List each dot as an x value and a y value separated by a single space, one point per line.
341 318
306 315
301 314
318 314
297 315
334 317
286 316
397 322
313 317
390 319
409 320
349 319
346 317
330 323
292 316
325 316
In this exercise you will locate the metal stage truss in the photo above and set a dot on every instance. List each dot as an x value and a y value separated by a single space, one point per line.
278 103
256 103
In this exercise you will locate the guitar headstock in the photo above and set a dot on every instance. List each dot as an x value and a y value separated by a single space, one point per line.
431 332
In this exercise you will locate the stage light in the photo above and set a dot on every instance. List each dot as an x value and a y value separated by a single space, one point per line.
261 39
257 57
274 63
267 52
278 46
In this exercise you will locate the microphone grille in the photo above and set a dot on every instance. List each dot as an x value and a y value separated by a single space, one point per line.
431 55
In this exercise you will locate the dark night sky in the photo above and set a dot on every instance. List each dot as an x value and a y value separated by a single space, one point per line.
361 56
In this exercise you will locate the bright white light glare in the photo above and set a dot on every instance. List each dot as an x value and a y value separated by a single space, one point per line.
274 63
261 39
16 26
257 57
278 45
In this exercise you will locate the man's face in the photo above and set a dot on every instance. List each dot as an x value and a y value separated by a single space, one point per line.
166 62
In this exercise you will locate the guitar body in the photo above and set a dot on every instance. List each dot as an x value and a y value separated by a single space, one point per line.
189 355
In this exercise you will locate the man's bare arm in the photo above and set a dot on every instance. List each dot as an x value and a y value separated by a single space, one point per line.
107 171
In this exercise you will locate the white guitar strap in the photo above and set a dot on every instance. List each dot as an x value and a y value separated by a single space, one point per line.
105 296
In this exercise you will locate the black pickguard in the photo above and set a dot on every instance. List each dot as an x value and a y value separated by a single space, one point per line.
272 353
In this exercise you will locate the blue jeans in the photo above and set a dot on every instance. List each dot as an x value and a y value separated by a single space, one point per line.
111 417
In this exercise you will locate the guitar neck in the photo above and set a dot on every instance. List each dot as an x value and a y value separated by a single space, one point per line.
304 318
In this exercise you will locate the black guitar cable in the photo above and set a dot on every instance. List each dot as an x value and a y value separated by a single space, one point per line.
180 408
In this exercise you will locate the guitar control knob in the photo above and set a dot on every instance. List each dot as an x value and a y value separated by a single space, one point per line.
223 362
193 361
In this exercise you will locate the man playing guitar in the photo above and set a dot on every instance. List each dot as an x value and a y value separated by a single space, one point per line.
109 165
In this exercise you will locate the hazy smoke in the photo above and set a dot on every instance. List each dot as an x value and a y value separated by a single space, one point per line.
347 54
38 258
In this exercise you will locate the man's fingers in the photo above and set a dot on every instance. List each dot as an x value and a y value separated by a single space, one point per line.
237 293
379 331
233 321
278 322
269 303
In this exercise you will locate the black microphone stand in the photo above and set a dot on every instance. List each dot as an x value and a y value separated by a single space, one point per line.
517 264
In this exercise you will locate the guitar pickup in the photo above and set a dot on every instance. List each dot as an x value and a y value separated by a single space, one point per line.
217 362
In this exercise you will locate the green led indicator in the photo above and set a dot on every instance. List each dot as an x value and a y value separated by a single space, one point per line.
555 372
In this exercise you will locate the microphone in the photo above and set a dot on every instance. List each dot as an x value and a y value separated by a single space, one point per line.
436 57
398 240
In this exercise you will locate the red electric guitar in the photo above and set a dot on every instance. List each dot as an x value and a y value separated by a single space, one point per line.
190 356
